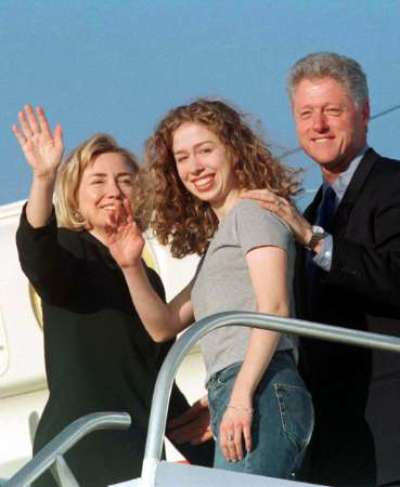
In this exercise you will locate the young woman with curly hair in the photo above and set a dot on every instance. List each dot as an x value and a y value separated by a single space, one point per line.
201 159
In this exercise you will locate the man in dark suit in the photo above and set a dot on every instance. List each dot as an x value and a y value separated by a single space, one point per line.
348 274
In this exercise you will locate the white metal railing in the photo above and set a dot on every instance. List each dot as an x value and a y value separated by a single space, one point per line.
166 376
52 453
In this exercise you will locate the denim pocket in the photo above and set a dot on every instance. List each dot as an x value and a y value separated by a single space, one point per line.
297 413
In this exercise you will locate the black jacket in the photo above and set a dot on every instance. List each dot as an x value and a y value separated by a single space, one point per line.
98 355
356 391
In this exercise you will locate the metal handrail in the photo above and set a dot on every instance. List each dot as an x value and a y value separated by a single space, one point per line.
166 376
61 443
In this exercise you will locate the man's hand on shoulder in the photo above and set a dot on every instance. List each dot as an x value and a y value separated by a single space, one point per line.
285 210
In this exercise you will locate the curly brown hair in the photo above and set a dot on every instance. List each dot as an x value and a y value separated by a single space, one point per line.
179 218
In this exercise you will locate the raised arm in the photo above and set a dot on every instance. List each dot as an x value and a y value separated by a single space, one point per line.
163 321
272 298
43 151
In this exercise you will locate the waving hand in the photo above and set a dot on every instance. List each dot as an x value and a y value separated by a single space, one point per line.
124 239
43 149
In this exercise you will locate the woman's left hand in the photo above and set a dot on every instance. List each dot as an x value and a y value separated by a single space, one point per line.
235 432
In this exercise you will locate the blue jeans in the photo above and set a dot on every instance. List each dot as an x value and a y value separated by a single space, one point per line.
283 418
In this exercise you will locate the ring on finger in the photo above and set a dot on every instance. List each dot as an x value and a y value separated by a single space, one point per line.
229 437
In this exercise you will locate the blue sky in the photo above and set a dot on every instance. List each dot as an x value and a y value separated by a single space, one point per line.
117 66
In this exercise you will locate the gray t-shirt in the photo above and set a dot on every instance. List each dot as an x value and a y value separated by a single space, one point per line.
223 283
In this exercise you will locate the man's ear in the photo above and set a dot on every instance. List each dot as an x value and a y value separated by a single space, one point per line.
366 112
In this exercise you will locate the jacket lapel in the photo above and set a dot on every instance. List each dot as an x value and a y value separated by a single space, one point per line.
310 213
339 223
300 276
352 192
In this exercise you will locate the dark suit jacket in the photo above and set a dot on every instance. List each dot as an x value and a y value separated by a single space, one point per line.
356 391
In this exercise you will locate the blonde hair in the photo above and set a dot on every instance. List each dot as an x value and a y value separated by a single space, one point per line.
70 175
179 218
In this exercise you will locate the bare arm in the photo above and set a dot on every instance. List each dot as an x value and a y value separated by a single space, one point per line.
43 151
272 298
162 321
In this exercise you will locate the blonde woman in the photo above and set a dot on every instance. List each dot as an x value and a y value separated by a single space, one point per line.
99 357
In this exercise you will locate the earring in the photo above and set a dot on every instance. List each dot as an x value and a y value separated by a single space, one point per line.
77 215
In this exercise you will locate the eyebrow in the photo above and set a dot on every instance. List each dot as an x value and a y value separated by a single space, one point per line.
196 146
328 103
103 174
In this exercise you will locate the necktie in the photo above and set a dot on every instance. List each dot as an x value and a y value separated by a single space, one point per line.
324 219
326 209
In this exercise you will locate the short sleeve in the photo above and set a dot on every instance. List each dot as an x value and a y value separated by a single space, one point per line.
257 227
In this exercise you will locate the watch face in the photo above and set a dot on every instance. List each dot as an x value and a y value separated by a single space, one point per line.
318 231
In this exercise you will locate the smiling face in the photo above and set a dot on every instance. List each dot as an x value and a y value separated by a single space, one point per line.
331 128
107 182
205 166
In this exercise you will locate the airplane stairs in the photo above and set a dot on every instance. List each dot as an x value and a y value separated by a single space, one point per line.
157 473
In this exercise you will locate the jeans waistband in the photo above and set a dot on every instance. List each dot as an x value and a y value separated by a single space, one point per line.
278 357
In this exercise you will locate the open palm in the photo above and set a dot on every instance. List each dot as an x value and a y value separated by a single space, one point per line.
125 240
43 149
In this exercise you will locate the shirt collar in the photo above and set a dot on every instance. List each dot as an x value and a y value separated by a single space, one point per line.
342 182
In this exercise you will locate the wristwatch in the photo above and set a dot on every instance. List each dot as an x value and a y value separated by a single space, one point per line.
318 233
